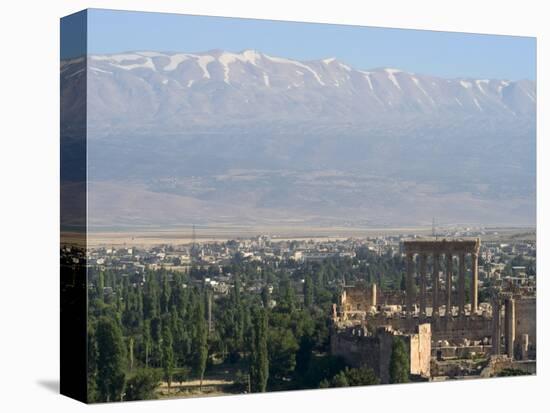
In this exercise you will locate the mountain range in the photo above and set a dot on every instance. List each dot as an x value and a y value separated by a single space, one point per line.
168 90
240 138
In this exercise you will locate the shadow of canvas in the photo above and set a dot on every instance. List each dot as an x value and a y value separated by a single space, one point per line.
51 385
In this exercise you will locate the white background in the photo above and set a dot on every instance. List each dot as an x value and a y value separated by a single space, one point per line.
29 206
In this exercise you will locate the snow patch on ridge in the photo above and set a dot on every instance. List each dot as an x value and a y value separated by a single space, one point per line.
391 76
117 57
282 60
250 56
226 58
116 60
345 67
329 60
502 85
367 76
152 54
479 82
202 61
175 60
147 65
417 83
478 105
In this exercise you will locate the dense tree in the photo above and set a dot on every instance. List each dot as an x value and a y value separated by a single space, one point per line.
351 377
100 285
403 283
304 355
399 362
157 324
282 352
111 360
320 371
361 377
92 363
266 296
308 291
142 385
512 372
287 295
339 380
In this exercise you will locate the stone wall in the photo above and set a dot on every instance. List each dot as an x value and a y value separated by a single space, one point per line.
474 328
420 351
361 349
461 352
357 350
498 363
391 297
526 319
358 298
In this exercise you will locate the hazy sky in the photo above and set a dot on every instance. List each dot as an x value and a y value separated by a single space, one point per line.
437 53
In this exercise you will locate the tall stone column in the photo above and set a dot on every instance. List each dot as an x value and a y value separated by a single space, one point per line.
495 336
461 283
373 300
409 284
435 286
449 286
473 283
509 326
423 259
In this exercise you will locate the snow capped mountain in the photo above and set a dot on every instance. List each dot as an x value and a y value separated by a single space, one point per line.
143 88
239 137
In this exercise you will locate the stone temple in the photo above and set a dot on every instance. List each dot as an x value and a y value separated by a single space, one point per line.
438 316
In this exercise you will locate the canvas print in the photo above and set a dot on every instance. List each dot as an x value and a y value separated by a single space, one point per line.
256 206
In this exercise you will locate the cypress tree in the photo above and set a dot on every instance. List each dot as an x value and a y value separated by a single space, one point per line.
200 345
399 362
308 292
146 341
167 354
111 360
259 359
165 294
100 285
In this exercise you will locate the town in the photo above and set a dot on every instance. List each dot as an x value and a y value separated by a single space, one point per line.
460 303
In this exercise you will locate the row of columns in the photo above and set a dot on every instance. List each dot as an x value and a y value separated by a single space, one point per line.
435 283
506 326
